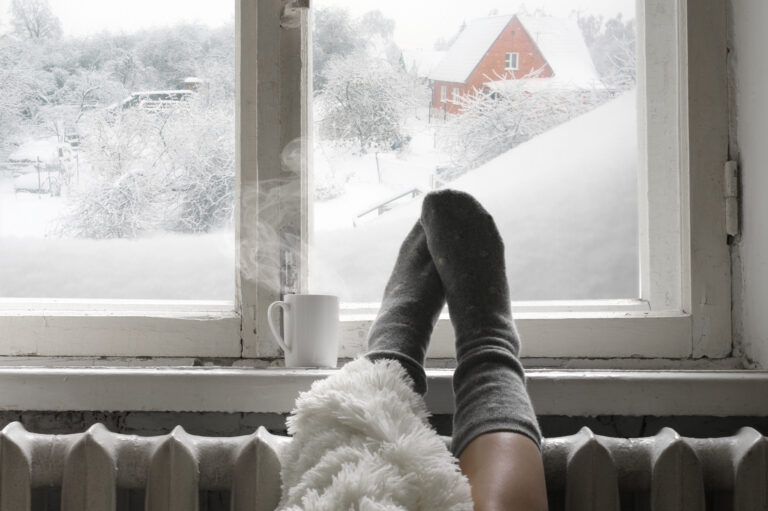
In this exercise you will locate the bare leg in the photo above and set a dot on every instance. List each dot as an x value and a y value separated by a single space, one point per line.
505 472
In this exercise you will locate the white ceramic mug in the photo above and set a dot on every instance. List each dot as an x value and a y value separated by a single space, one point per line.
311 327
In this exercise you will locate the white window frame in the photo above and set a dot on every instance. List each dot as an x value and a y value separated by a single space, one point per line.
443 94
684 308
456 95
508 57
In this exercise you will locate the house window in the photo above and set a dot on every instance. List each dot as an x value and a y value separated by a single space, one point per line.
443 93
456 94
679 248
510 61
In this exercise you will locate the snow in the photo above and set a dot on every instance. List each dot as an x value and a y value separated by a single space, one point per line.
565 203
45 149
469 48
32 182
422 62
162 267
167 267
563 46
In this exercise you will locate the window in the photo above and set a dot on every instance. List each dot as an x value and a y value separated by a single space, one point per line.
510 61
456 94
682 305
443 93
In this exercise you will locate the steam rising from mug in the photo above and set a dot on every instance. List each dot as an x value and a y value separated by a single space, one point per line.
273 222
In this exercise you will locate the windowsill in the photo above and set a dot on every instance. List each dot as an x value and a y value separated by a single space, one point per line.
273 390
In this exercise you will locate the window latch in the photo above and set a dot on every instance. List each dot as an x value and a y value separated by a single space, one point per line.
291 15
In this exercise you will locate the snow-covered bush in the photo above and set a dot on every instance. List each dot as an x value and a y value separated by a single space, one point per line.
491 123
181 156
119 208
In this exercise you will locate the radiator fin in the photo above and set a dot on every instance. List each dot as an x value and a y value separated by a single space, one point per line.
15 471
678 483
173 476
751 460
90 473
256 484
592 482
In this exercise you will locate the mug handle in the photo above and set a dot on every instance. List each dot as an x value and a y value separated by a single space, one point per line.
275 331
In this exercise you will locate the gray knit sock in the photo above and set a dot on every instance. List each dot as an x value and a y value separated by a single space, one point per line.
489 381
413 299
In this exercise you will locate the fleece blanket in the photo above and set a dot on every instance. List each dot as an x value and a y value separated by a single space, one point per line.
361 441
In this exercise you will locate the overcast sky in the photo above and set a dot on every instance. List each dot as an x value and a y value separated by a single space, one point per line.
418 22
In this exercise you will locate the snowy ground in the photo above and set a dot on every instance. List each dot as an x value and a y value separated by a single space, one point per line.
565 202
167 266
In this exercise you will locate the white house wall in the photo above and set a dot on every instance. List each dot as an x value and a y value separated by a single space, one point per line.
750 78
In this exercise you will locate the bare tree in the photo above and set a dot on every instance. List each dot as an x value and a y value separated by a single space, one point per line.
35 20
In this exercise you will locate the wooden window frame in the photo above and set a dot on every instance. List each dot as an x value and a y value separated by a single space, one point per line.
684 308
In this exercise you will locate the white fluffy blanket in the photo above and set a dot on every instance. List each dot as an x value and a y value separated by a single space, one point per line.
361 441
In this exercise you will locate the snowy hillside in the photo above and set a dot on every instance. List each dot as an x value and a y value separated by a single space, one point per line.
565 202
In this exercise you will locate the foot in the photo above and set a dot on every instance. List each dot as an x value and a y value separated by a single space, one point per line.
413 299
489 381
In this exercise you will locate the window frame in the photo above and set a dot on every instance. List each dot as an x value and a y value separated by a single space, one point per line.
443 94
508 57
684 308
456 94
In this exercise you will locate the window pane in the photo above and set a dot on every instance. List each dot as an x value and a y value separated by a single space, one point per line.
530 107
117 150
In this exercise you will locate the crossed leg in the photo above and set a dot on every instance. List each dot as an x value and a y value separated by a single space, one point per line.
455 254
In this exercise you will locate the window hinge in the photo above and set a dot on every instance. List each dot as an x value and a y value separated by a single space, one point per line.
731 193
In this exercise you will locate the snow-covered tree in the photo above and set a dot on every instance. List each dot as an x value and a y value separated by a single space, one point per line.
365 101
612 44
333 36
34 19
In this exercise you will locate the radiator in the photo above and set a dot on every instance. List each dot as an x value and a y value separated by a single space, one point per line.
584 471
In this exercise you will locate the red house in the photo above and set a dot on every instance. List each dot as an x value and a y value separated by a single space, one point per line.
500 48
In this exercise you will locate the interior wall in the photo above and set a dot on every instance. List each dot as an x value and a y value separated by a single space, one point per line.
749 69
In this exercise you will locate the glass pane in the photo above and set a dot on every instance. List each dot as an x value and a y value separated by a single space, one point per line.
531 107
117 149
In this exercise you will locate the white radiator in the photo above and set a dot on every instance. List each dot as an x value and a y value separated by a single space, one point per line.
584 471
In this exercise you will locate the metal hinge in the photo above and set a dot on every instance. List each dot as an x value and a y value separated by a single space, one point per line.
731 193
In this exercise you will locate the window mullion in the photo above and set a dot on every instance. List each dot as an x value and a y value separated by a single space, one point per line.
272 165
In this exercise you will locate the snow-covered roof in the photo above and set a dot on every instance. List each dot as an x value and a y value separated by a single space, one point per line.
422 62
561 43
469 48
559 40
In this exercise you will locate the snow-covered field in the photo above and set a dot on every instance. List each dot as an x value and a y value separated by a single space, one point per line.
565 202
167 266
